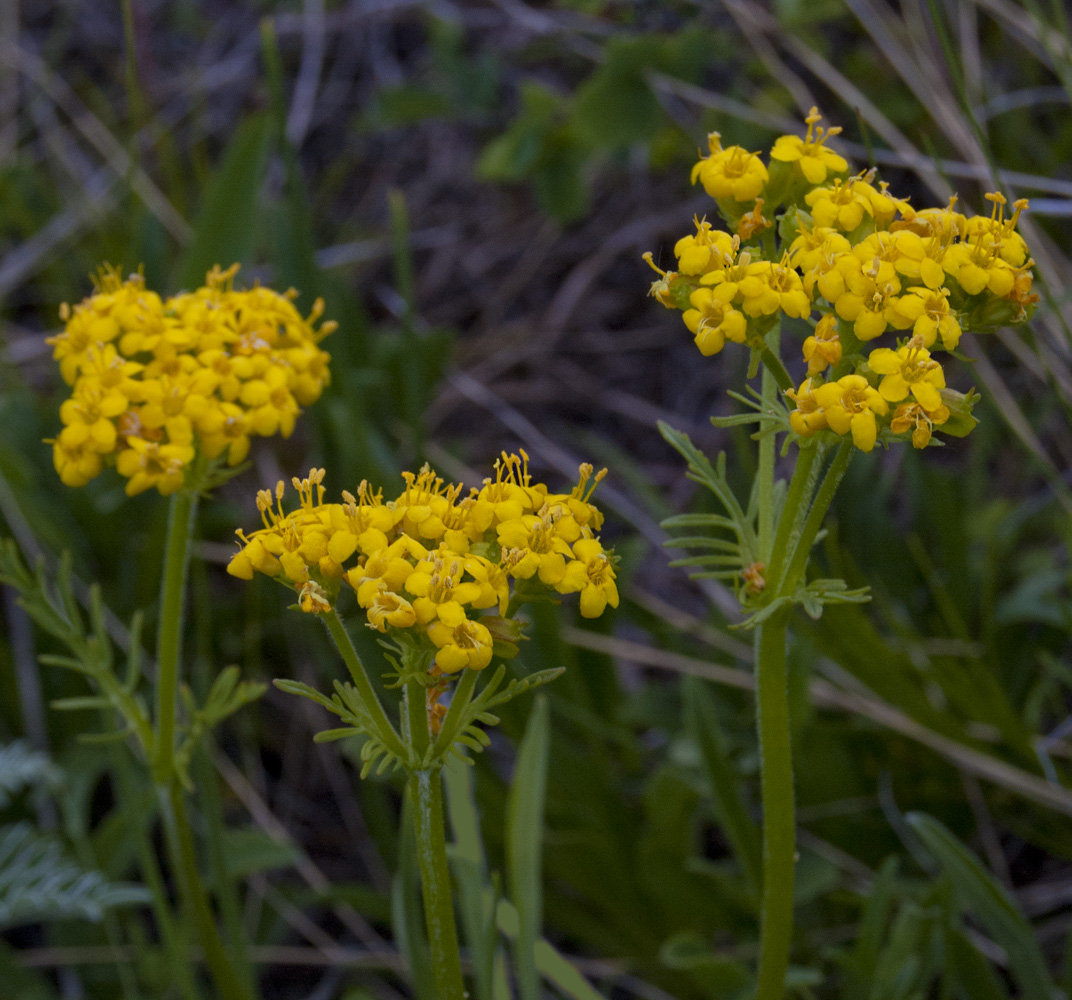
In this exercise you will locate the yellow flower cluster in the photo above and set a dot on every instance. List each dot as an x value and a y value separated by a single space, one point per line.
432 559
855 262
154 381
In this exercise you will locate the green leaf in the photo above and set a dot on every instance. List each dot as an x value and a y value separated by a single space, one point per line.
475 896
513 156
615 106
223 232
687 951
980 895
23 767
524 842
38 882
248 851
550 963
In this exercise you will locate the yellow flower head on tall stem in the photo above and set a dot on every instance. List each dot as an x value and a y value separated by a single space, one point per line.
434 595
203 371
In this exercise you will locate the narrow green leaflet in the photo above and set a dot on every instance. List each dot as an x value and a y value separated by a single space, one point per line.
988 903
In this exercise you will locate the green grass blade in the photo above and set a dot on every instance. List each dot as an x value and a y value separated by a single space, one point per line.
741 831
550 963
988 903
475 897
223 233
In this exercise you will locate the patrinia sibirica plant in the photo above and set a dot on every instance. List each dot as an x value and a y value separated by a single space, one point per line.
440 572
170 393
879 293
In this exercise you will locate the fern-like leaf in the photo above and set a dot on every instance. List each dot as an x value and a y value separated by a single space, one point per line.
39 882
23 767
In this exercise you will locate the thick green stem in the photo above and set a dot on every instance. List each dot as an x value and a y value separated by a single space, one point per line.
384 730
823 499
426 788
180 842
779 825
183 511
794 499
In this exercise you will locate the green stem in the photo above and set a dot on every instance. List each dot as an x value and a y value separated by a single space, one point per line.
172 937
773 364
816 516
459 702
795 498
384 730
181 517
426 788
226 891
415 724
779 824
765 471
180 842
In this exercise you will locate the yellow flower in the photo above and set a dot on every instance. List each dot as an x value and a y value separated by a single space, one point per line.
823 347
708 250
850 405
920 258
871 305
808 417
909 369
841 206
462 643
545 551
389 608
75 460
998 230
146 464
730 173
713 321
815 245
208 368
929 308
592 574
920 420
813 158
438 588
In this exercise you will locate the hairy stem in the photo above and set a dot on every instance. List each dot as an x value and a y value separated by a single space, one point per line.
773 364
779 824
384 730
823 499
765 470
426 788
795 498
181 516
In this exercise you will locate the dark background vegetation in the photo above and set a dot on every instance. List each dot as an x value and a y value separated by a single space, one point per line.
470 186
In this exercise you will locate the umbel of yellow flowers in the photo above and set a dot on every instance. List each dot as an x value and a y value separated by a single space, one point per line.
153 381
808 241
436 564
